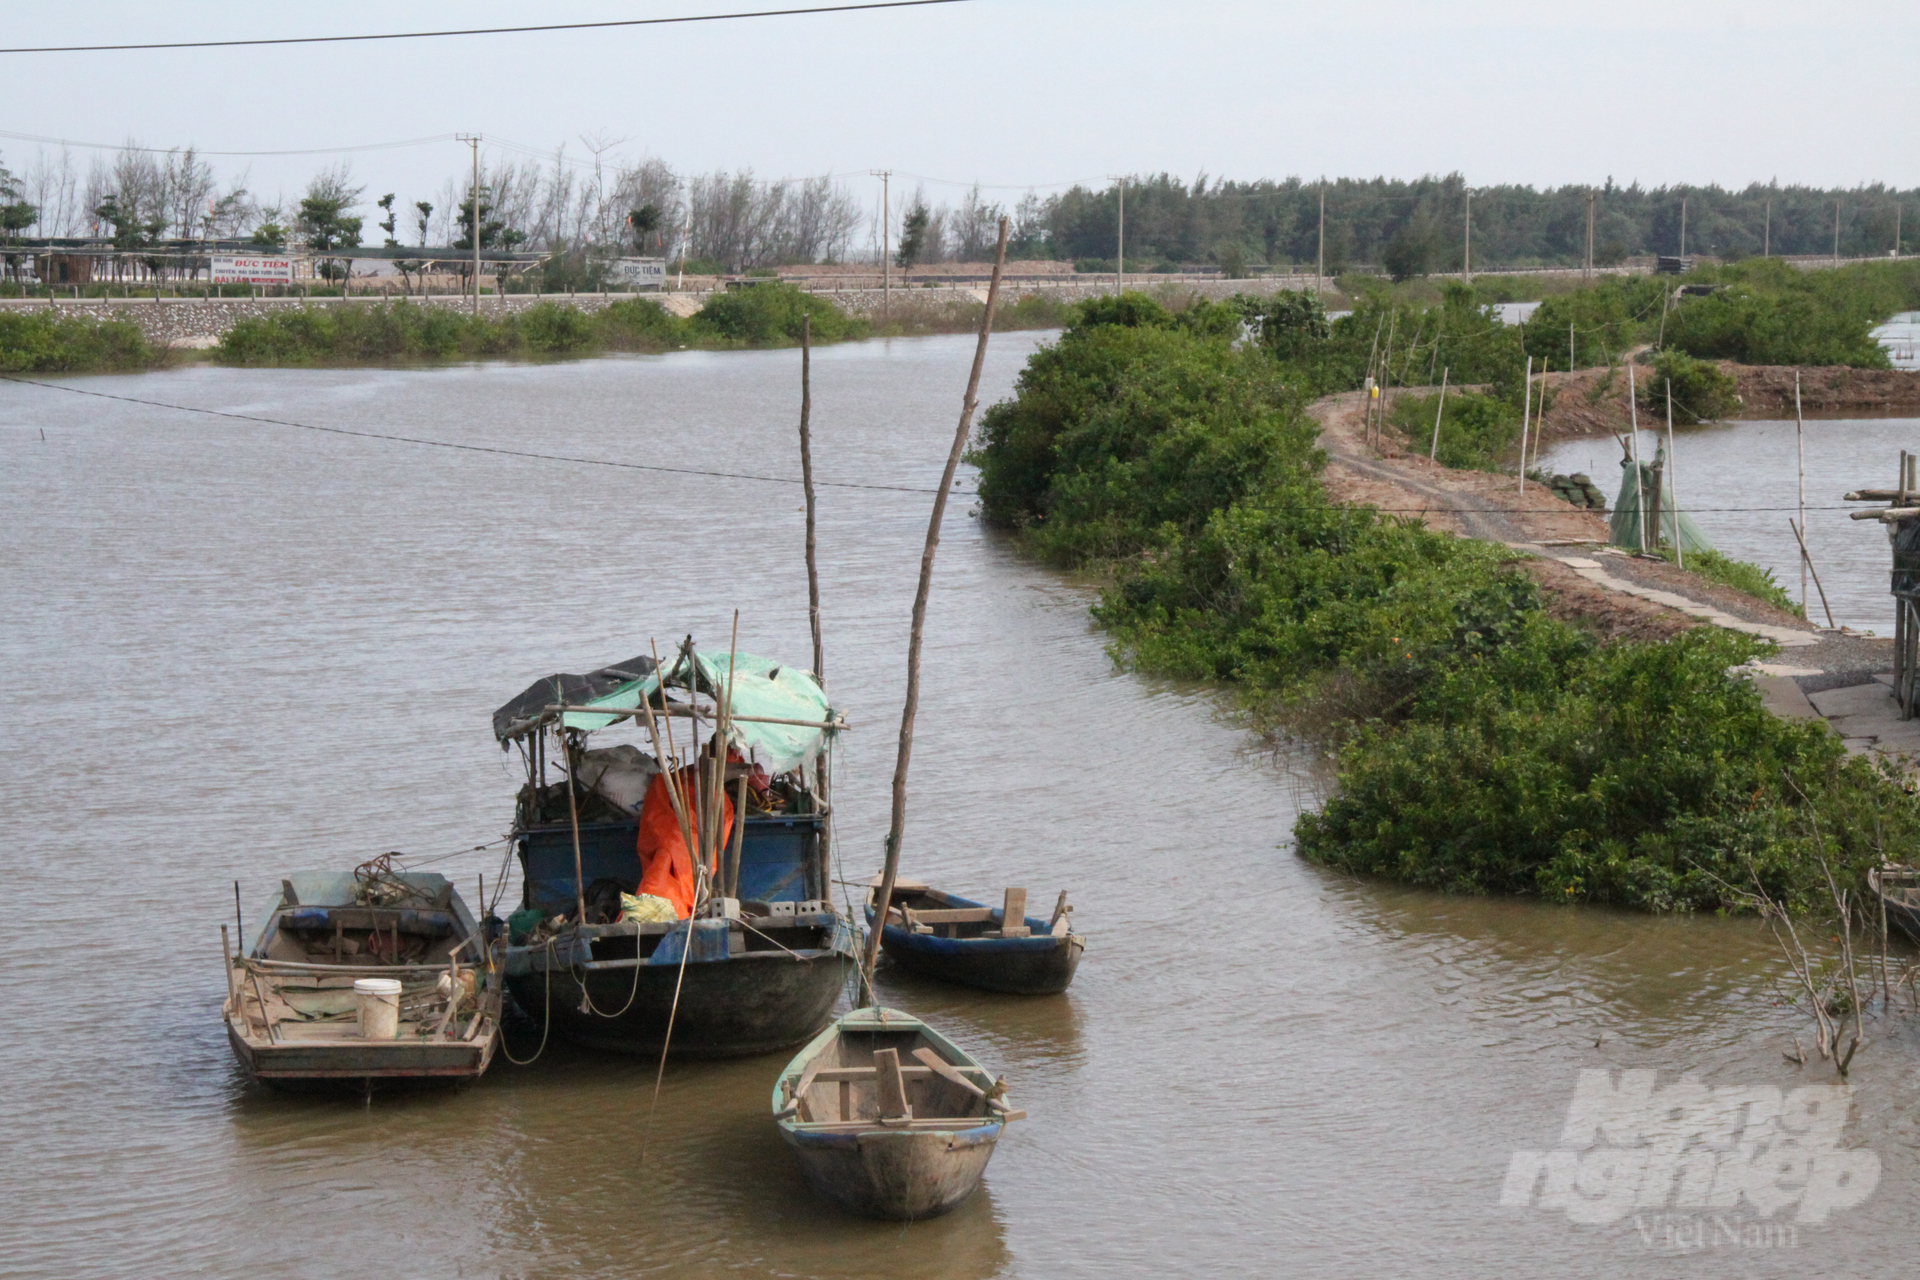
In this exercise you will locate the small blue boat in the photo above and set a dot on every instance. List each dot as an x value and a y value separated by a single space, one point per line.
956 939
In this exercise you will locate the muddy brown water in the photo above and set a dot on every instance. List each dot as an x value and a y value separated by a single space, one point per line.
232 649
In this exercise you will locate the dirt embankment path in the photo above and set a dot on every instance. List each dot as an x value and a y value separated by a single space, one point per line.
1593 402
1488 507
1562 547
1818 673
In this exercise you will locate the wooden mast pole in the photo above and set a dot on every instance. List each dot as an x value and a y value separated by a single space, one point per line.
806 480
897 825
825 851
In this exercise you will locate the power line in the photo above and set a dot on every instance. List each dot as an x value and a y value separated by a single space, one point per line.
467 448
738 475
484 31
167 151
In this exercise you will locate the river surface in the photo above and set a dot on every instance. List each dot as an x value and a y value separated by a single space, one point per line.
234 649
1740 482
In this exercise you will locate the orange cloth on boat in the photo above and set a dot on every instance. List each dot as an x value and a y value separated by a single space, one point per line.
666 864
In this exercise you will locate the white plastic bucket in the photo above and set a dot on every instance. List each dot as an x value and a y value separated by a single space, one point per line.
379 1001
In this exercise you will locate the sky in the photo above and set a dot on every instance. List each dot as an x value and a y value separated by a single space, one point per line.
1014 94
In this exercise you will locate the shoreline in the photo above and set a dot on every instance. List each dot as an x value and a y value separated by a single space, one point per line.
1590 403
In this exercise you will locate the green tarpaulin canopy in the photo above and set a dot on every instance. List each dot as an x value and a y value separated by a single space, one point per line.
762 688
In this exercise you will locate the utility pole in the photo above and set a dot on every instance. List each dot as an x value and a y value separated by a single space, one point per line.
1836 233
1766 236
1683 226
1896 228
1320 259
686 245
1120 248
473 140
886 243
1466 260
1589 235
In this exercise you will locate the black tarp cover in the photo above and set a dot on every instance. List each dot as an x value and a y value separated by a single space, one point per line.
526 709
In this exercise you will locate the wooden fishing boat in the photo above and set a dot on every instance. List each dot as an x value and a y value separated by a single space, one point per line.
1899 890
957 939
888 1117
763 954
426 1008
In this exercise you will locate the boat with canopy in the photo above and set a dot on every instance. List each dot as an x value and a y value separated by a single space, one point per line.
676 886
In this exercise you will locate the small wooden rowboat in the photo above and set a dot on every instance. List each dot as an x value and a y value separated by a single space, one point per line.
959 940
888 1117
344 988
1899 890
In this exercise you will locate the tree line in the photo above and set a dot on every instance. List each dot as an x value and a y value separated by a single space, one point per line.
1414 227
587 205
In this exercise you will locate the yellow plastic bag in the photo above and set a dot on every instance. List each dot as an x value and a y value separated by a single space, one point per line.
645 906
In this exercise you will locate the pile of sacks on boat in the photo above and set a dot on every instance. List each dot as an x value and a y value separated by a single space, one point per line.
1577 490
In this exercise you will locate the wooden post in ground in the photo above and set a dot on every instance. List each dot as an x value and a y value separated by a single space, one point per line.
897 823
1433 454
1526 410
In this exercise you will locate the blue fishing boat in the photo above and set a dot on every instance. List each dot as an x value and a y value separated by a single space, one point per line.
753 954
955 939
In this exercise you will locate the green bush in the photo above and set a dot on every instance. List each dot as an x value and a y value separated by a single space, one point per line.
42 342
770 314
408 331
1130 309
640 324
1640 774
1607 319
1483 746
1701 391
551 329
1476 431
1765 311
1119 433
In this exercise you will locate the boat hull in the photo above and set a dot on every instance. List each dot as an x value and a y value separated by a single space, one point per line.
301 1067
1896 887
913 1166
894 1175
1020 966
754 1003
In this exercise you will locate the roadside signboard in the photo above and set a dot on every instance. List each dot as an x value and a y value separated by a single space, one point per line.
232 269
637 273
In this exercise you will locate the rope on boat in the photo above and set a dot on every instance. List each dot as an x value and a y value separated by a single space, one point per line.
546 1008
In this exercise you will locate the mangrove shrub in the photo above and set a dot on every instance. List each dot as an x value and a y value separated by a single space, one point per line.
42 342
1482 744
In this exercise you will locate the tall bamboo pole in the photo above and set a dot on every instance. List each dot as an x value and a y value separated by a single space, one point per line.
1673 485
897 825
1639 492
806 481
1800 445
1433 454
